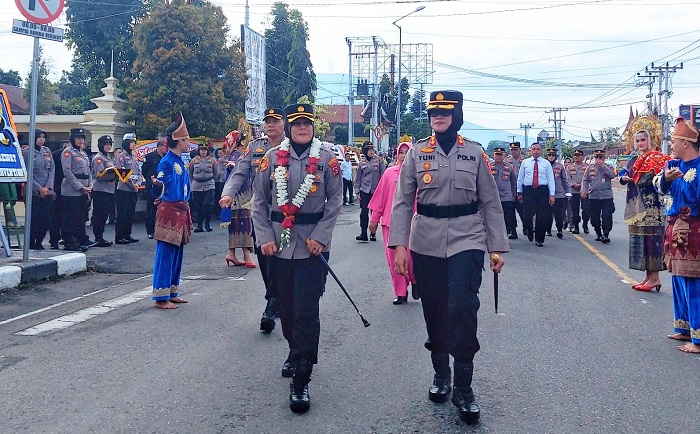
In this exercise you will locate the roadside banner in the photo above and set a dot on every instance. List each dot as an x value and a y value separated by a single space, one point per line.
12 167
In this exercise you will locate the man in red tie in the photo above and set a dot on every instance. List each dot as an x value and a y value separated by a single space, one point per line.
536 190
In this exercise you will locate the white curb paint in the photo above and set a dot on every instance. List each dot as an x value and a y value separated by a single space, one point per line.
87 313
70 263
10 277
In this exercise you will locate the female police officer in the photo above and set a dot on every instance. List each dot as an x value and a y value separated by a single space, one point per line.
459 217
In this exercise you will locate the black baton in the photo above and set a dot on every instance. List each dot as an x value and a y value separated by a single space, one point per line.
323 259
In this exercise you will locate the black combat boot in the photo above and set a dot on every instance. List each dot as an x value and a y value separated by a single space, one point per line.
267 322
575 230
362 237
585 228
599 236
299 399
440 390
199 228
207 227
605 239
288 367
462 395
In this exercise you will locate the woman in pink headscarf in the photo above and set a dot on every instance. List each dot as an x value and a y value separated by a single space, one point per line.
381 212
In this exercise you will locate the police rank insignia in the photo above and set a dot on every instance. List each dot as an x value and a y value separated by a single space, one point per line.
427 178
99 161
335 167
426 166
259 150
66 154
177 169
427 149
486 160
313 188
264 163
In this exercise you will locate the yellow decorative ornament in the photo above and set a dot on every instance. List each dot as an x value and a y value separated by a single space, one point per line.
690 175
439 97
247 131
177 168
650 124
160 175
300 109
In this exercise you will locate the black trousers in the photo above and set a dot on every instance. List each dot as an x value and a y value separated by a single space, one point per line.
348 191
42 214
300 284
558 212
202 202
582 205
509 216
449 292
74 212
364 211
150 214
103 204
520 208
264 264
536 204
126 206
56 221
602 215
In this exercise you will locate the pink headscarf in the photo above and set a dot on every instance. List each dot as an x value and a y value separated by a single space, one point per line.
406 145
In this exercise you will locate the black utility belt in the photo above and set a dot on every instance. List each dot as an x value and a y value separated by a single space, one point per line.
447 211
300 218
82 176
204 179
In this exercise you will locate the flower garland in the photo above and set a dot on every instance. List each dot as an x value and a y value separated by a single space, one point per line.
289 209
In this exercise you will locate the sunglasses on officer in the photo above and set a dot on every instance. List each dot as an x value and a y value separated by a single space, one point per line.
598 156
439 112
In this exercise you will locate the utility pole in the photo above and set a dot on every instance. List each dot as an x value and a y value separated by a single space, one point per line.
649 80
526 127
663 72
351 97
557 122
247 14
512 137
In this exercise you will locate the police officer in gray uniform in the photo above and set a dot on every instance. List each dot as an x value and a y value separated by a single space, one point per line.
294 236
104 184
203 170
369 172
42 190
561 193
597 187
126 195
459 218
516 159
246 168
76 189
506 180
579 206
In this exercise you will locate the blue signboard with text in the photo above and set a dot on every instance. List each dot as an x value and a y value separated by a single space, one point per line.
12 167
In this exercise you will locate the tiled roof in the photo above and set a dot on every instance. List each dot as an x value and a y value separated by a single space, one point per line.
338 114
16 96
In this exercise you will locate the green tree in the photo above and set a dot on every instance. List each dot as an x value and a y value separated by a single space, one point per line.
96 28
418 106
73 91
290 73
611 136
413 127
340 135
405 95
10 77
45 90
184 63
493 144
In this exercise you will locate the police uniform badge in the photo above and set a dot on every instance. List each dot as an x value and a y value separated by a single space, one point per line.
427 149
335 167
426 166
264 164
427 178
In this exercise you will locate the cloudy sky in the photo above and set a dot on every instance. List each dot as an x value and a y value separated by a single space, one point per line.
512 59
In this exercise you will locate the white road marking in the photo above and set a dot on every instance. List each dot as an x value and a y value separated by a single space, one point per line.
44 309
83 315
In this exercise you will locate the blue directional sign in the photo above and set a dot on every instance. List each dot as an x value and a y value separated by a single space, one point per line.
12 167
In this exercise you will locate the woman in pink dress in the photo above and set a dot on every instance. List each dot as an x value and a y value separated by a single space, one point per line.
381 212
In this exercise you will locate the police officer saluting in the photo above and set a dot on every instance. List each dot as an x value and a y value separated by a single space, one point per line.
459 217
75 189
299 188
506 178
103 189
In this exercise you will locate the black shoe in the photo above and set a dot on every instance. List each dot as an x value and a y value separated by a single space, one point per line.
549 233
442 381
467 406
88 243
199 229
101 242
121 241
575 230
267 322
373 237
414 291
362 237
54 246
133 240
530 236
539 244
513 236
599 237
150 236
288 369
345 204
401 299
585 229
605 239
208 227
299 399
75 248
560 235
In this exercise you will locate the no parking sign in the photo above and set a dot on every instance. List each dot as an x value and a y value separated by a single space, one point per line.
40 11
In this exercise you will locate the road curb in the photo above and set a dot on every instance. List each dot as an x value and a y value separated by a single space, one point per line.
11 276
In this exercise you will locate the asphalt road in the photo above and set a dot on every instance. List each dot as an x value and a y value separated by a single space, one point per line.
574 349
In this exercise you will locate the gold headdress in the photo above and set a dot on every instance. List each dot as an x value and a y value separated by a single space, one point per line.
649 124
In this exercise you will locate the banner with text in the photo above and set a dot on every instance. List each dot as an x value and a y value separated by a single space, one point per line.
254 50
12 167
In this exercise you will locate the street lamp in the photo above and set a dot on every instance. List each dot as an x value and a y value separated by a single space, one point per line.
398 98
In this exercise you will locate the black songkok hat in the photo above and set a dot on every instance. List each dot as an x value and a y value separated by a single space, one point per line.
499 151
273 112
296 111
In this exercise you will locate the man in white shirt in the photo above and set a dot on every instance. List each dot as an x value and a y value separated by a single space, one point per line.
346 169
536 189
